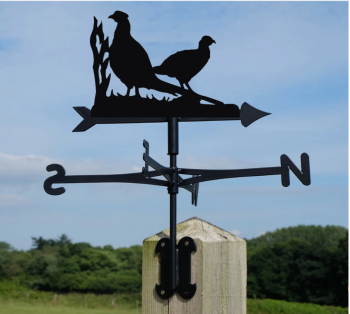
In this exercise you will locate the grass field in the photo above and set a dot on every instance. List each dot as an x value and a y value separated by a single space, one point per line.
253 307
25 308
16 299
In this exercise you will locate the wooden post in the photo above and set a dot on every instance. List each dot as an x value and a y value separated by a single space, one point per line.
219 268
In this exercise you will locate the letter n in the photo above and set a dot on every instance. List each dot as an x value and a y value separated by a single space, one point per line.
303 175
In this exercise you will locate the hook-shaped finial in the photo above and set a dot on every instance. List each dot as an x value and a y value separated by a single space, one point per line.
57 178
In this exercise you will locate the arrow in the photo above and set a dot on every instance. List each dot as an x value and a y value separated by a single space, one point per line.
248 115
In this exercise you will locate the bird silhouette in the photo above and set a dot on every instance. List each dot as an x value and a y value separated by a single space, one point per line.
184 65
130 62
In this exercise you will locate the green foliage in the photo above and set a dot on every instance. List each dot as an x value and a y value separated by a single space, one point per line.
327 236
297 270
62 266
301 264
5 246
268 306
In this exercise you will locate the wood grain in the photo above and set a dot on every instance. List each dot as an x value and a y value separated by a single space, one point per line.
219 268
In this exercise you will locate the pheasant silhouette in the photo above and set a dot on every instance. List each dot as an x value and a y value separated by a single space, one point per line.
184 65
131 64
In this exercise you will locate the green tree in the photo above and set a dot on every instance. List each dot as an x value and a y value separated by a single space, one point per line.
327 236
294 271
78 248
5 246
131 257
63 241
339 272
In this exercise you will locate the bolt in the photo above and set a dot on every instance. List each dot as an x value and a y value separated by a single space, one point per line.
186 243
163 244
162 292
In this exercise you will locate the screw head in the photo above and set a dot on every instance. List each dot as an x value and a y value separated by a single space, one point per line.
187 243
163 244
162 292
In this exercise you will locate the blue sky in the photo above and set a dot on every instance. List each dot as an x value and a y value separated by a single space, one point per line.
287 58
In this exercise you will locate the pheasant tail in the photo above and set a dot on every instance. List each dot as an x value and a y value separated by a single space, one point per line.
165 87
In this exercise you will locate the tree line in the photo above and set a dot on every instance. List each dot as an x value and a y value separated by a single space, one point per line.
307 264
62 266
301 264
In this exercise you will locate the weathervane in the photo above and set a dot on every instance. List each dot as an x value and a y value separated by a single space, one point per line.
131 64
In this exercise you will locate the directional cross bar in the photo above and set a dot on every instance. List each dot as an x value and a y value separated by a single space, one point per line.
61 177
286 165
191 184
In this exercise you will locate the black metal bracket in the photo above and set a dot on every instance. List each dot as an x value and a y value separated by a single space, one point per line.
184 287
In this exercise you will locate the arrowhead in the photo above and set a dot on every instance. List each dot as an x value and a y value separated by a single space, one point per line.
250 114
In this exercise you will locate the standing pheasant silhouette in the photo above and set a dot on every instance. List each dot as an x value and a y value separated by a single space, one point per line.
184 65
130 62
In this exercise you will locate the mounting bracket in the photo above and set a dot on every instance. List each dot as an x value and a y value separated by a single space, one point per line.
183 284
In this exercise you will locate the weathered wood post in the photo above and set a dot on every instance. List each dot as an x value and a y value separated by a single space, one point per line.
219 268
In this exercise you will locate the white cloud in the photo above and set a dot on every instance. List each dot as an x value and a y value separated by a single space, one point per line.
236 232
31 168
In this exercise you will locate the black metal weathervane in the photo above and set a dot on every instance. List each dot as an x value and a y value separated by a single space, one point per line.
131 64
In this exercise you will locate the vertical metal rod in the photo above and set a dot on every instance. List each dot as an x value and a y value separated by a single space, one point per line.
173 150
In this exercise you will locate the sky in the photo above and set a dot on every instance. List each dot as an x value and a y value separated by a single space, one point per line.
286 58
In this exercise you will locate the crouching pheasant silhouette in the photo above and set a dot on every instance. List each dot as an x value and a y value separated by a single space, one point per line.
184 65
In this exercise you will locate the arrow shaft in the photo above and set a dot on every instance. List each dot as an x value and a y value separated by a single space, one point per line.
89 121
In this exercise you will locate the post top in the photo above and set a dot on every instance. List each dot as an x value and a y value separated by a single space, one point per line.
197 228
